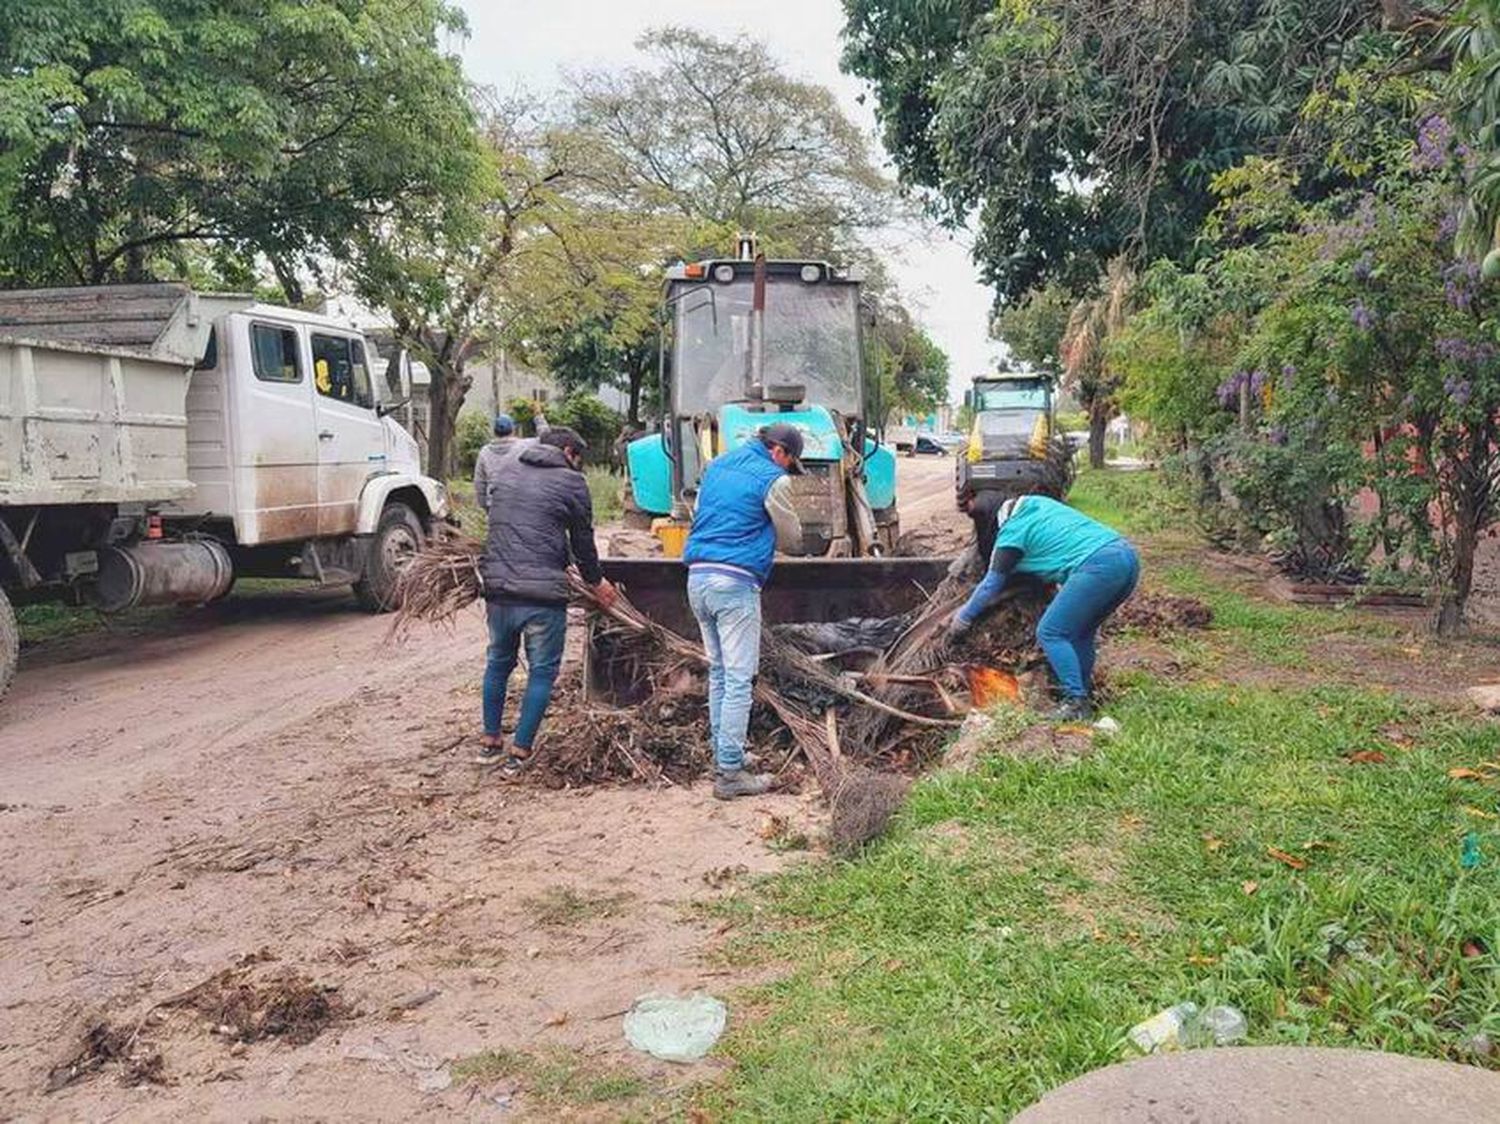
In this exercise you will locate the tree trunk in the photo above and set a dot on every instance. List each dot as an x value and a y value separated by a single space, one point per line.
291 284
445 398
1460 579
637 384
1098 424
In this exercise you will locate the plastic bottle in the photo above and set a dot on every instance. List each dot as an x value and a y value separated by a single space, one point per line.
1220 1026
1471 855
1164 1030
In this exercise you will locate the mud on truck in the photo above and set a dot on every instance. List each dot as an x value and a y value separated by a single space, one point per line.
156 443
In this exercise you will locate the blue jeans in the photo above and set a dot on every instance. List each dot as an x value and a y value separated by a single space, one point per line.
544 628
1068 629
728 612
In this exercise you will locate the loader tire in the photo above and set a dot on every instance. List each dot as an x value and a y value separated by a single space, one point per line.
398 536
10 644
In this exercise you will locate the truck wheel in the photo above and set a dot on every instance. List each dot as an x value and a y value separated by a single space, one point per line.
10 644
398 536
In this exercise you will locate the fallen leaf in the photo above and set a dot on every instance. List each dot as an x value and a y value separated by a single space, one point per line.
1317 845
1462 774
558 1020
893 965
1367 757
1074 730
1471 950
1249 886
1212 842
1480 812
1198 961
1290 860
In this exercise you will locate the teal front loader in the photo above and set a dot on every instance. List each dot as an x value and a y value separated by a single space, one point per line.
748 342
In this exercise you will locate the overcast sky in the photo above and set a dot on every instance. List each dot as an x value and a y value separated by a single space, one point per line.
527 43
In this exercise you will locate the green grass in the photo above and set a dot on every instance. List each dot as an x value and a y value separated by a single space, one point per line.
554 1077
607 487
564 906
1017 921
1134 503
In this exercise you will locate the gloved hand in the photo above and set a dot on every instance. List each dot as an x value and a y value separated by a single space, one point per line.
958 628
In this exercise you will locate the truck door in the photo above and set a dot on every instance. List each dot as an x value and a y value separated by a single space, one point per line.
275 444
351 440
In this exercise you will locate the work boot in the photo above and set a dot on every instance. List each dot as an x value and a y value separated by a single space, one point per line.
1072 710
740 782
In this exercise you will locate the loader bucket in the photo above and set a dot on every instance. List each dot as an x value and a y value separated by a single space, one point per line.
800 589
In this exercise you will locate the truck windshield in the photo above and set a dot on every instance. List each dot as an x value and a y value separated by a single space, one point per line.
812 340
1017 394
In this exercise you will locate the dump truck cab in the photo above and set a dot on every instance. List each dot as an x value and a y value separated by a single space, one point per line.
1013 444
748 342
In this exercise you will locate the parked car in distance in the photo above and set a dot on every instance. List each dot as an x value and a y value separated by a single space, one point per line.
928 444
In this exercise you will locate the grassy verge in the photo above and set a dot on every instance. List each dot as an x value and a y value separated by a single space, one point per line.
1296 852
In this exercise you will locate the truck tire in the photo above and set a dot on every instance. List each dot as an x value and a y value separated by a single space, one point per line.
397 537
10 644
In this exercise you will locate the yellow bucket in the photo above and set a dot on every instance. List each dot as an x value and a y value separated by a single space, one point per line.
673 536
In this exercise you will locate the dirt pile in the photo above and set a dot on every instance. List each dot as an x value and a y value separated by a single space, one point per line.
1158 614
104 1044
234 1005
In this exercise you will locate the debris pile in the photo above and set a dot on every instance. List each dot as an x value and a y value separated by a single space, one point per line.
1157 614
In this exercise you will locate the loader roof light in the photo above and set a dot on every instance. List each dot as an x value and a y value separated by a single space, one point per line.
724 273
811 273
696 270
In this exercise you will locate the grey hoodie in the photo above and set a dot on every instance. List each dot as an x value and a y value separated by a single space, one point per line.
490 458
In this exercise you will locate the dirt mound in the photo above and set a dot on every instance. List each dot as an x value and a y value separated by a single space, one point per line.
103 1044
288 1006
1158 613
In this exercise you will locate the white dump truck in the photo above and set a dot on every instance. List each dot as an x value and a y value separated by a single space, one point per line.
156 443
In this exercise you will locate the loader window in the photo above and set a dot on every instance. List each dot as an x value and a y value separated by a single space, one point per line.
339 370
812 340
1019 395
274 352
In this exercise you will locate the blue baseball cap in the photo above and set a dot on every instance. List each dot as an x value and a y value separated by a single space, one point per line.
505 425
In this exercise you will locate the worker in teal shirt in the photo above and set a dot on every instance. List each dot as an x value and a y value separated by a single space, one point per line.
1096 568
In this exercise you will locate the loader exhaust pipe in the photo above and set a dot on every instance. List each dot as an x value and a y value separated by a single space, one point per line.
161 573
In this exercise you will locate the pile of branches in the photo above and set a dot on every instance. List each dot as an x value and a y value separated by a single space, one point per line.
842 721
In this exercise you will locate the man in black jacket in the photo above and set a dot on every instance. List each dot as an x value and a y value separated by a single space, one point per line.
540 519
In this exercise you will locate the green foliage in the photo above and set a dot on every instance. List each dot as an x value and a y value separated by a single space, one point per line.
1080 129
1033 328
473 432
134 133
592 420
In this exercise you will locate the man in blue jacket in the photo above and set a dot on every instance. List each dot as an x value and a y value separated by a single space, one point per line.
744 514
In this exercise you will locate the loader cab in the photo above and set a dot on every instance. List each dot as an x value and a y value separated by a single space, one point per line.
809 365
1013 444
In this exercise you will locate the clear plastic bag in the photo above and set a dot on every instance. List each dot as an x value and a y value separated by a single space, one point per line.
676 1028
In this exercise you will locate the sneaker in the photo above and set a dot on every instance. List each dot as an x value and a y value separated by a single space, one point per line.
491 754
515 764
741 782
1072 710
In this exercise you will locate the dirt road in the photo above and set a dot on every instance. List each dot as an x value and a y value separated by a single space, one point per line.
272 776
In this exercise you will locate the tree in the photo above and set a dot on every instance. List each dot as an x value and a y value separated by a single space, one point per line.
908 371
1033 328
1082 129
135 132
1084 349
455 277
716 132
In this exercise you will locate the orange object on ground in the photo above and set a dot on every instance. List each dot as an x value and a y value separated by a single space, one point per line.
989 685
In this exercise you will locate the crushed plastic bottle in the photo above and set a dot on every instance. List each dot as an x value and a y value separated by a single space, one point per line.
1165 1030
1221 1026
1471 856
674 1028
